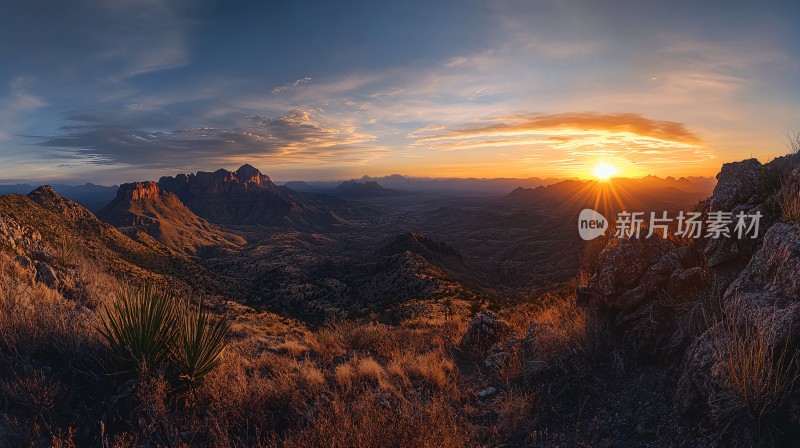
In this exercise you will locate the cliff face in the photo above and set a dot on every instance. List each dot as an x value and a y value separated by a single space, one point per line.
224 197
244 196
145 207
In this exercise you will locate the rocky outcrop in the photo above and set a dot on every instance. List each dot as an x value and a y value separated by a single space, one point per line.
139 191
143 206
244 196
485 330
639 284
16 236
767 293
737 183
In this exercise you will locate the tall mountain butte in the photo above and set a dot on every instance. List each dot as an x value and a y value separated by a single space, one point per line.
244 196
143 206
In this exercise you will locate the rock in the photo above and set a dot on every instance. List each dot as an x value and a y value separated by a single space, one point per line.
696 383
47 275
488 392
736 184
41 255
684 284
767 292
624 263
24 261
719 251
688 256
485 330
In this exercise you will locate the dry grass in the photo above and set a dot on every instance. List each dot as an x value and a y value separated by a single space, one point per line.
432 370
789 202
515 414
758 373
371 421
293 348
567 337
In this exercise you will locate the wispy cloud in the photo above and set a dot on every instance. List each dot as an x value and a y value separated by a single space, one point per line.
16 106
300 135
293 85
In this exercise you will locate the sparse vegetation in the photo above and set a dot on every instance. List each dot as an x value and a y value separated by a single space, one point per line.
200 340
758 374
139 327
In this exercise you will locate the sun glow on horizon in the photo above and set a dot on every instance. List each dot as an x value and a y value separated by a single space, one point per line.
604 171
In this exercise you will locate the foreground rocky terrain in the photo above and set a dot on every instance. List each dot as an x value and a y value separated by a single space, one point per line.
362 332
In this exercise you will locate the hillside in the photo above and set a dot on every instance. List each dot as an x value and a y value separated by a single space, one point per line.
144 207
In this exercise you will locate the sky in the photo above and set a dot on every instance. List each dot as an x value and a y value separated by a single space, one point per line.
112 91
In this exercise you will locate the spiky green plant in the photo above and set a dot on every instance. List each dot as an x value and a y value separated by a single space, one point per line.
138 327
200 341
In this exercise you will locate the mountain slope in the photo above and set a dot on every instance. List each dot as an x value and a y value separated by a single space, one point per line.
60 222
143 206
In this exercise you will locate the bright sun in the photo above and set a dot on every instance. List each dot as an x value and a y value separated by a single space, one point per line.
604 171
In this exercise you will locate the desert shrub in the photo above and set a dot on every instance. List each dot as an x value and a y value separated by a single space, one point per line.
567 337
66 245
758 373
515 414
138 327
325 344
200 339
292 347
251 398
788 199
371 337
432 370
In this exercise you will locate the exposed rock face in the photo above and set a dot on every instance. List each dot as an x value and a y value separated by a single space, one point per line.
639 282
139 191
737 183
631 269
485 330
766 296
767 293
242 197
144 206
16 236
47 275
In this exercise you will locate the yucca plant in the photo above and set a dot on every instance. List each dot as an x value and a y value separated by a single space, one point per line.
138 327
200 340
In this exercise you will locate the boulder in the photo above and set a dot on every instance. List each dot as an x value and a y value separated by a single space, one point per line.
685 284
696 382
47 275
485 330
736 184
624 263
767 292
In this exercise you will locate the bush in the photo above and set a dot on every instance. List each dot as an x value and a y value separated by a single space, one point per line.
139 327
199 343
758 373
145 329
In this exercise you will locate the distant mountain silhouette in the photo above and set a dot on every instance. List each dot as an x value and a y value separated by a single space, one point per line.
645 194
89 195
449 186
370 189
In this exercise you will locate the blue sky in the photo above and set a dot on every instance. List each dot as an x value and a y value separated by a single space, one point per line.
114 91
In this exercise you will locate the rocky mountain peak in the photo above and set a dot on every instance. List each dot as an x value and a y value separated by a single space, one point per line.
249 174
44 193
138 191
